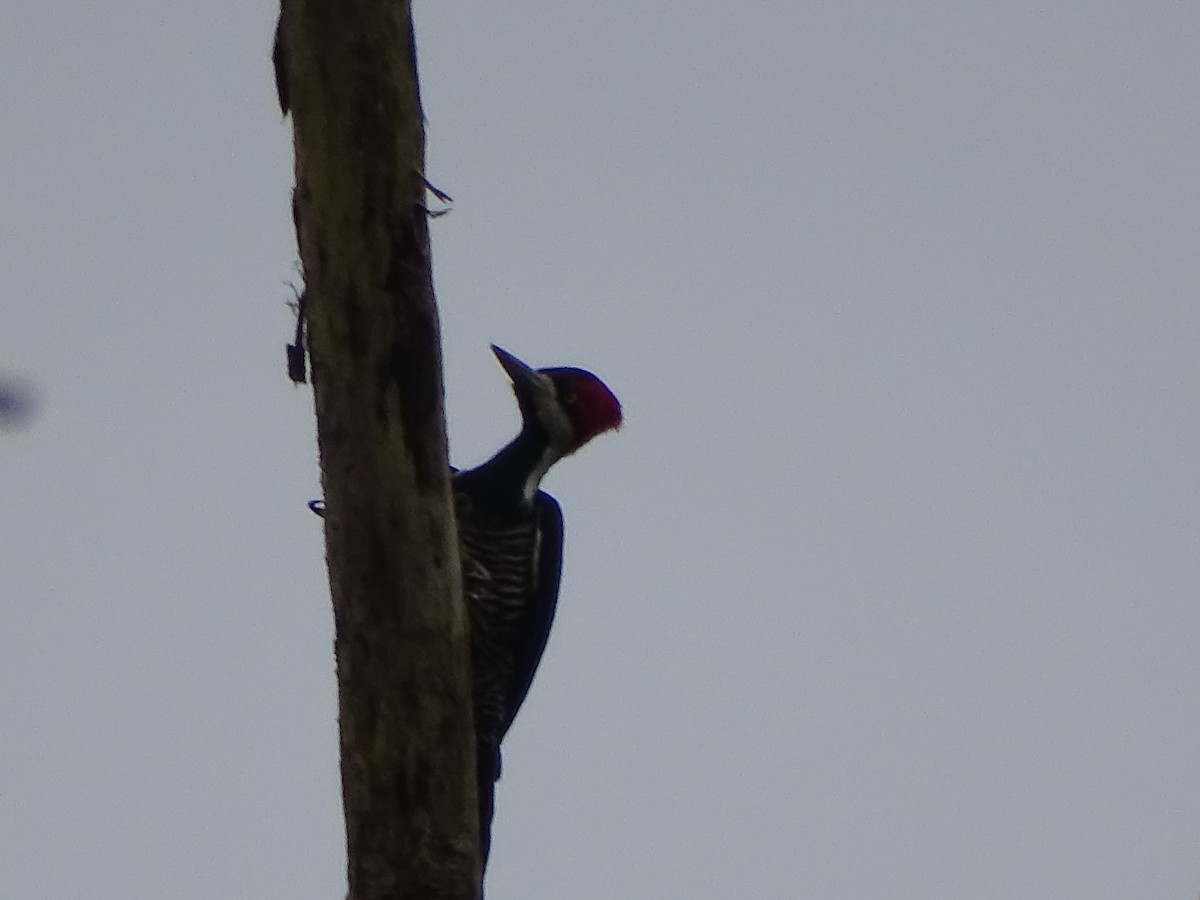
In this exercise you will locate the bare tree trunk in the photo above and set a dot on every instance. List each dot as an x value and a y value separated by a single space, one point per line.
407 747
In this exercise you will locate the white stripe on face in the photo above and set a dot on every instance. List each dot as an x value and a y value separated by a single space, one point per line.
559 431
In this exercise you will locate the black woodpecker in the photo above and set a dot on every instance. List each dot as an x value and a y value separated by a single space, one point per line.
511 536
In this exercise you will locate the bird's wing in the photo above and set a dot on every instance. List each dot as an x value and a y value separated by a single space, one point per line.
535 631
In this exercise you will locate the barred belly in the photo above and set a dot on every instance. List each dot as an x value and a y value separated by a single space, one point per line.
499 571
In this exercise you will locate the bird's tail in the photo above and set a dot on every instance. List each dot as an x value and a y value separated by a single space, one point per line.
489 772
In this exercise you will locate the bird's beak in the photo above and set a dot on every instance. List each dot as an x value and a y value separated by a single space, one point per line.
522 376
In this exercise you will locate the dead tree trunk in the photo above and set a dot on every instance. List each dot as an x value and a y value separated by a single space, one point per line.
348 72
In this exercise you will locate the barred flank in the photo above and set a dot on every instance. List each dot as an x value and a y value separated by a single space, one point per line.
499 557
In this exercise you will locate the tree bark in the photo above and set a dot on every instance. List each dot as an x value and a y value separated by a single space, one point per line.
348 72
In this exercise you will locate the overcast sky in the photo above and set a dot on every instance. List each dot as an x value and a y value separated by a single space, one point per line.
888 588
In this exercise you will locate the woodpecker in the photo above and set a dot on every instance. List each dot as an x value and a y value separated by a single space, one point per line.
510 538
510 541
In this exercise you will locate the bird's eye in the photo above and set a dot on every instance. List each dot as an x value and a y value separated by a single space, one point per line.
568 396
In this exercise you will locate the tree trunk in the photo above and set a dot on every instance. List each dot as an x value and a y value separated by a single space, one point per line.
348 72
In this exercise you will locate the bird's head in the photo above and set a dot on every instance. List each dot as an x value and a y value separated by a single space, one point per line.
567 406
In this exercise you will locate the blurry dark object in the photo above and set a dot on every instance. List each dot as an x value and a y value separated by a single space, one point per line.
18 403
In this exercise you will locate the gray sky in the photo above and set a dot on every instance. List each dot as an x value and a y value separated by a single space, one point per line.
888 587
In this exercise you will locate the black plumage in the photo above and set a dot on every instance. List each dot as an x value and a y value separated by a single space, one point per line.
510 540
512 563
